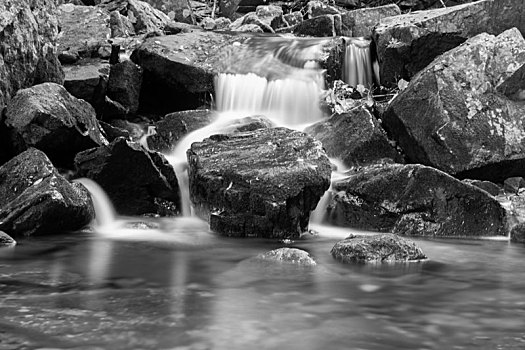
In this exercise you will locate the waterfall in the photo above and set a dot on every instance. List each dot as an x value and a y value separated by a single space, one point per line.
319 214
358 67
104 211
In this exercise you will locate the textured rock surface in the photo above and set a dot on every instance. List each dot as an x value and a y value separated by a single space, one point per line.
451 118
144 17
361 22
6 240
88 80
261 183
125 80
407 43
137 181
27 40
321 26
517 234
35 199
47 117
288 255
385 248
415 200
356 138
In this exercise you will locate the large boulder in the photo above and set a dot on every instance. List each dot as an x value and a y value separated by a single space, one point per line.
137 181
144 17
28 32
360 22
384 248
35 199
47 117
451 116
408 43
261 183
415 200
356 138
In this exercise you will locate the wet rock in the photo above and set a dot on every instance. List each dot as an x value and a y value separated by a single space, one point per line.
143 17
113 132
517 234
260 183
35 199
488 186
88 80
84 29
228 7
47 117
356 138
385 248
293 18
451 118
120 25
137 181
360 22
271 15
28 34
6 240
318 8
512 185
248 28
321 26
415 200
125 80
176 125
288 255
215 23
251 19
408 43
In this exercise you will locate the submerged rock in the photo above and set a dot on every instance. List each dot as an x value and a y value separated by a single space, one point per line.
35 199
450 116
261 183
137 181
47 117
6 240
288 255
385 248
415 200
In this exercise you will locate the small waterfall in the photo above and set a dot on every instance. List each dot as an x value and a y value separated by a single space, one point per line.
319 214
104 211
358 66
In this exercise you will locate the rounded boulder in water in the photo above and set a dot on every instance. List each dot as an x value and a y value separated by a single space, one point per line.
288 255
6 240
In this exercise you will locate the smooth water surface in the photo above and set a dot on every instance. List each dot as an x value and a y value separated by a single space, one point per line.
173 285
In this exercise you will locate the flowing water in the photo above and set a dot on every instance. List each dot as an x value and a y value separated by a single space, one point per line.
358 65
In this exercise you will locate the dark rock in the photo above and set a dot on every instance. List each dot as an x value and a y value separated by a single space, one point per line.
35 199
124 85
6 240
135 130
512 185
248 28
84 29
415 200
88 80
322 26
112 132
137 181
408 43
113 110
120 25
176 125
385 248
143 17
451 118
228 7
293 18
28 32
47 117
318 8
215 23
514 86
517 234
360 22
348 3
261 183
288 255
488 186
356 138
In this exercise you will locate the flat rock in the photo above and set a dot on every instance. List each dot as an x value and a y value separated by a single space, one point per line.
47 117
260 183
87 80
415 200
137 181
35 199
384 248
450 116
289 256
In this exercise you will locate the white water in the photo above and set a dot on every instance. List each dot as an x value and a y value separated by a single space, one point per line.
105 216
358 67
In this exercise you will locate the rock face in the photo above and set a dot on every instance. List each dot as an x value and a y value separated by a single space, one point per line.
415 200
451 117
288 255
361 22
137 181
47 117
88 80
356 138
35 199
28 32
385 248
261 183
407 43
124 85
321 26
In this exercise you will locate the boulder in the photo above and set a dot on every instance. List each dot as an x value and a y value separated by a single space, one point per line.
271 15
408 43
450 116
88 80
28 32
512 185
251 18
293 18
47 117
125 80
384 248
35 199
288 256
143 17
120 25
488 186
6 240
137 181
360 22
228 7
415 200
356 138
321 26
318 8
259 183
517 234
84 29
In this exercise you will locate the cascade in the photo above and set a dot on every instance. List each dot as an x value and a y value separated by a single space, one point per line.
358 67
104 212
319 214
